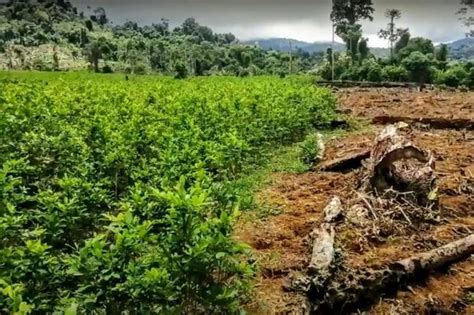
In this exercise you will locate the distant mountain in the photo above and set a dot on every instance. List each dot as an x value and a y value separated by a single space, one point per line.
462 49
283 44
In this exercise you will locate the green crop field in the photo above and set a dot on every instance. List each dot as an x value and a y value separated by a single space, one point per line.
120 195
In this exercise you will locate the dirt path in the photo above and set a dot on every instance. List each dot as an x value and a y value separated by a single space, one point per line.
281 244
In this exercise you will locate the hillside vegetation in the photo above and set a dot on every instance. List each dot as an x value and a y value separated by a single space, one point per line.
462 49
53 35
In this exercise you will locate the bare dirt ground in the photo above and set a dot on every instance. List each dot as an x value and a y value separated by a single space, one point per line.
374 102
281 242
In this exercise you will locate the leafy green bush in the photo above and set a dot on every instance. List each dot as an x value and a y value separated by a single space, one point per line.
118 196
351 73
375 73
469 80
107 69
180 71
310 148
340 66
127 69
243 72
140 68
419 66
369 70
453 77
395 74
41 65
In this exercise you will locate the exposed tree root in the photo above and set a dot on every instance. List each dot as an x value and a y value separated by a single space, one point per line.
396 169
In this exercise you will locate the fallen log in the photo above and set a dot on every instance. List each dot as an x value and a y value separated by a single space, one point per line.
358 289
435 259
323 249
345 163
323 253
322 260
436 123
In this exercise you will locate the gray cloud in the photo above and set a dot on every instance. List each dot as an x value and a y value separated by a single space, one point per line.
300 19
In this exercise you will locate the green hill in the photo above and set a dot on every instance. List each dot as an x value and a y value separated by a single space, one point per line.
283 44
462 49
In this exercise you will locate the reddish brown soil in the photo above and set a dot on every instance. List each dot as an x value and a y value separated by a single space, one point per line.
405 102
442 293
281 244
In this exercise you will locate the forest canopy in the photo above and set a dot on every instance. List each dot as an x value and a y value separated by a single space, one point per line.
189 49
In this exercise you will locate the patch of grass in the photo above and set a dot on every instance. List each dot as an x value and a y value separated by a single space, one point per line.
357 123
296 158
270 259
310 149
286 159
265 210
289 160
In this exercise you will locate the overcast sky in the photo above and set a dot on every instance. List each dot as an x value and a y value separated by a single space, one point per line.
306 20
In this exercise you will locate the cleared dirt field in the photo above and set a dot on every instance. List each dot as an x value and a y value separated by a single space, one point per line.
281 243
375 102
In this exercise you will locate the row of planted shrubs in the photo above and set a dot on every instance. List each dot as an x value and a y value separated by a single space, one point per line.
119 196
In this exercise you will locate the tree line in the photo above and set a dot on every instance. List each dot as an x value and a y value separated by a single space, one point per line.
194 49
189 49
413 59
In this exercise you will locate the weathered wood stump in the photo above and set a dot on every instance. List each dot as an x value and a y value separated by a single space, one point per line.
396 163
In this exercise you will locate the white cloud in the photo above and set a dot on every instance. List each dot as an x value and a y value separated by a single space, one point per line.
375 41
299 30
306 20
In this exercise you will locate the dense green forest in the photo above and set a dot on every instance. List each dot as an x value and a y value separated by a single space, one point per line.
53 35
66 39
